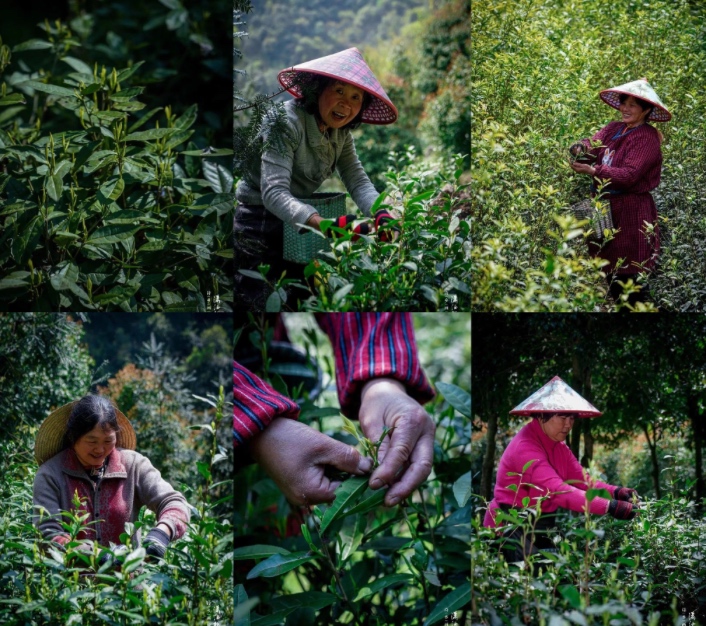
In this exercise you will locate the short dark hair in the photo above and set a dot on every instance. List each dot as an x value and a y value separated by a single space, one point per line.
313 85
644 105
89 412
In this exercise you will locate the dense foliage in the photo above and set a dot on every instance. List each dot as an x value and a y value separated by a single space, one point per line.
425 268
537 70
105 205
187 437
355 561
646 571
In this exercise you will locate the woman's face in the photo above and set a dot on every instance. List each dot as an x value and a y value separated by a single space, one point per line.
93 447
632 112
558 427
339 103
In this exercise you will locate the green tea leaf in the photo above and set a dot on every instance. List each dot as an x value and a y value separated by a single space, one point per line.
13 98
449 604
347 495
456 397
462 489
55 90
220 178
257 551
54 186
148 135
32 44
78 65
279 564
382 583
113 233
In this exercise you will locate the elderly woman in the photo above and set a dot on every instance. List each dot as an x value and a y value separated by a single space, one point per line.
87 448
333 95
630 158
540 466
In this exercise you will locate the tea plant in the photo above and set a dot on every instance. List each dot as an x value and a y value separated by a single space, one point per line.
105 206
355 561
646 571
88 584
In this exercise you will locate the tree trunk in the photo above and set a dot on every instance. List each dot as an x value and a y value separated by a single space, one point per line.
655 462
694 417
486 481
576 430
587 443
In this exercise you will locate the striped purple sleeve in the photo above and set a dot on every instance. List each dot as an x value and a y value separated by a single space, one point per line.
255 405
373 345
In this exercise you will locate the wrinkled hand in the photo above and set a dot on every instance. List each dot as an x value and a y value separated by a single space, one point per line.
295 457
156 543
406 456
625 493
622 510
583 168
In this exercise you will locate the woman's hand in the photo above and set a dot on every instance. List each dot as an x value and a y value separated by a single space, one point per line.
406 456
583 168
315 221
626 494
295 456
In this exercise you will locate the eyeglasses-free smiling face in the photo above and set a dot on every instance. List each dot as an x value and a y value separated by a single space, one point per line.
558 427
633 115
339 103
95 446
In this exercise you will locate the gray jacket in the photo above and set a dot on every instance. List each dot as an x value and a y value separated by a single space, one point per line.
308 158
129 482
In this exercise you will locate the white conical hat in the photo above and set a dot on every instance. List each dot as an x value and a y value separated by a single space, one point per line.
556 397
640 89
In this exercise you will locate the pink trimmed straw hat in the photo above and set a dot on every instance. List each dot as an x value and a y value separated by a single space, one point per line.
639 89
347 66
556 397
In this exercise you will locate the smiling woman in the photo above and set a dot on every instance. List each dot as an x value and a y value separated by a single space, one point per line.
333 95
85 450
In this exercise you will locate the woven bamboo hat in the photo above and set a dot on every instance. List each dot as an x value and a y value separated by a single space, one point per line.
348 66
50 436
556 397
639 89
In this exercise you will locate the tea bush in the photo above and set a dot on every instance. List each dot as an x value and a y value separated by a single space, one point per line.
42 585
427 268
646 571
104 206
355 561
537 70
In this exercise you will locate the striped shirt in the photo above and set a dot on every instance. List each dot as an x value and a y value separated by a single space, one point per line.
365 345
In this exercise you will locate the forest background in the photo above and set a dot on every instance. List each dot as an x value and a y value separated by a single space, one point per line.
646 374
537 70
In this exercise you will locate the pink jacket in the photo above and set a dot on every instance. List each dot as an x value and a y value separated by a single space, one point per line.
554 463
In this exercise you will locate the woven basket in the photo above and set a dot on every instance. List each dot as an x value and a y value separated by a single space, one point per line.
585 210
301 248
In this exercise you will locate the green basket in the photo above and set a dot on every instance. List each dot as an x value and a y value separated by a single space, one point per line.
301 248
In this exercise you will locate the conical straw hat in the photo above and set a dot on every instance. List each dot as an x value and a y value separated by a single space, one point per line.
640 89
347 66
556 397
50 436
